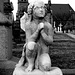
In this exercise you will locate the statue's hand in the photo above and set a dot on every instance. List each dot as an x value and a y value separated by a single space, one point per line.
41 26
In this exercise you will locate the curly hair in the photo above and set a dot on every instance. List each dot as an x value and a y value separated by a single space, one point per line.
31 7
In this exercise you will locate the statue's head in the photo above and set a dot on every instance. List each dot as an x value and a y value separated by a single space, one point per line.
37 9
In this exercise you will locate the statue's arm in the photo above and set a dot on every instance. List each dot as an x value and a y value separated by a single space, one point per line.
48 38
32 37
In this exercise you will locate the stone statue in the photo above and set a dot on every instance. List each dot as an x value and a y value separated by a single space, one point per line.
39 35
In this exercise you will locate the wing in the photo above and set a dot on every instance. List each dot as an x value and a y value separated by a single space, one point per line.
23 21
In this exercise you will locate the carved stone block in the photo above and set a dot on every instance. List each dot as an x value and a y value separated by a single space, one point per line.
5 43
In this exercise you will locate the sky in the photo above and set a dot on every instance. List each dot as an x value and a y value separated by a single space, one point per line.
71 2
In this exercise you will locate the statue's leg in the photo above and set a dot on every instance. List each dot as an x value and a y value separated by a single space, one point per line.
44 59
30 55
37 58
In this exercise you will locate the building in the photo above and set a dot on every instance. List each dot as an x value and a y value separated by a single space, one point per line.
22 6
62 13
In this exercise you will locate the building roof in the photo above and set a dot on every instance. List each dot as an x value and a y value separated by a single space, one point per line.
61 11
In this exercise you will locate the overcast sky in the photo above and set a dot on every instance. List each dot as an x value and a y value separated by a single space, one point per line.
71 2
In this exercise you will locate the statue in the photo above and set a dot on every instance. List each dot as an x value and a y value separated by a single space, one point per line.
39 35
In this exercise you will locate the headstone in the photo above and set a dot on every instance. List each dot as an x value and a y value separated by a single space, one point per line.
55 29
73 31
60 27
5 38
54 24
68 31
64 31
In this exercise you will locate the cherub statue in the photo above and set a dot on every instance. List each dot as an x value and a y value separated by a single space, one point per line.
39 36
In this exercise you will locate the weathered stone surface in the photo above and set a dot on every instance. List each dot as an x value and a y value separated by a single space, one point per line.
5 43
4 21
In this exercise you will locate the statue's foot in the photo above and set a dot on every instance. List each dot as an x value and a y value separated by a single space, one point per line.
29 68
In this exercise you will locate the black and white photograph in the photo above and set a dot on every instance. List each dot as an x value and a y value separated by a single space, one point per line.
37 37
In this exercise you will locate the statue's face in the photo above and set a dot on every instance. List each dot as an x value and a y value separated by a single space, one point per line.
39 9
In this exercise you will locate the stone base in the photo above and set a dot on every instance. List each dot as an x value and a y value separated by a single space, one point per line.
54 71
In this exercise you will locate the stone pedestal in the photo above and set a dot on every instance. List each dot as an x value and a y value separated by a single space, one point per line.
53 71
5 42
5 37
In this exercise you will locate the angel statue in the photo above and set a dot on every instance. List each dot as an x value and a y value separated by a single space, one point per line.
35 58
